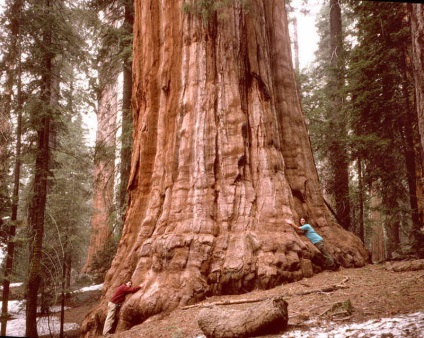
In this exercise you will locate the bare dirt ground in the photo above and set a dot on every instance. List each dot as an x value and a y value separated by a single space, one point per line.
372 291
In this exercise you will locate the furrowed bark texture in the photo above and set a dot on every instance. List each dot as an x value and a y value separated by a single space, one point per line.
104 163
104 157
221 158
417 32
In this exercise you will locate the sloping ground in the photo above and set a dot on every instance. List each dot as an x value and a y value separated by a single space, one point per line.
343 297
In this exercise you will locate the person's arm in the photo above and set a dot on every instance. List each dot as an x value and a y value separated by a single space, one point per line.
134 289
295 227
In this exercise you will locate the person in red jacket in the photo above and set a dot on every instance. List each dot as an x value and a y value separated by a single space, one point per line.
116 302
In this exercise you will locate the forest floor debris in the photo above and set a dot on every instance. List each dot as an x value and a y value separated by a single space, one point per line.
376 300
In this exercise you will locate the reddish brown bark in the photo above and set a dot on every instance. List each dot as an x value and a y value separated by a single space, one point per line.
221 159
104 164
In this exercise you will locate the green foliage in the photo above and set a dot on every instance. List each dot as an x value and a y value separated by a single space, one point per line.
376 84
54 89
377 103
103 259
68 208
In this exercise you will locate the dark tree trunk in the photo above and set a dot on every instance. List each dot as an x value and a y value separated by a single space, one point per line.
39 195
126 117
36 225
417 33
11 57
361 190
412 153
338 159
8 269
15 59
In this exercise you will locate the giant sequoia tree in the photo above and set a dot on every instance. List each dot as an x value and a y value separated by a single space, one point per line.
221 160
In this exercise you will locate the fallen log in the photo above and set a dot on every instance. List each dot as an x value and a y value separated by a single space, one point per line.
401 266
267 317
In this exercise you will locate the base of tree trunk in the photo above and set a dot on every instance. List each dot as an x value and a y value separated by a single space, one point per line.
267 317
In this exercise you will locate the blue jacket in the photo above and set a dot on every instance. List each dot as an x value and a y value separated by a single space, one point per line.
311 234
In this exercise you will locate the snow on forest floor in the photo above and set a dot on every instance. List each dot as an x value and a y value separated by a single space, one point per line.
410 325
46 325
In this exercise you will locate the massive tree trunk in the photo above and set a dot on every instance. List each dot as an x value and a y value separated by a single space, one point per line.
296 46
221 159
104 157
417 32
104 166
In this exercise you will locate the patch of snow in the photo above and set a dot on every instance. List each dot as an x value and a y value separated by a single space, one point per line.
45 325
12 285
409 325
90 288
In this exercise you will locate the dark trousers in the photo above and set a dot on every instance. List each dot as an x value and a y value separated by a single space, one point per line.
329 261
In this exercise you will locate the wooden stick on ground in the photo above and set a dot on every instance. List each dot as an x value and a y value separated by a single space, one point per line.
254 300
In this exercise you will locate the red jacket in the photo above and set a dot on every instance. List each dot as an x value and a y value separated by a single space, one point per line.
120 293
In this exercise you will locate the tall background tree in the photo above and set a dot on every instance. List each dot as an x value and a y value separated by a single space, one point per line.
126 135
417 33
383 118
41 56
62 104
338 187
9 64
221 161
114 97
107 66
13 76
42 118
381 135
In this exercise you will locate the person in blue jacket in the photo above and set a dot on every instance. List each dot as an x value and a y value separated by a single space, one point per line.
317 240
